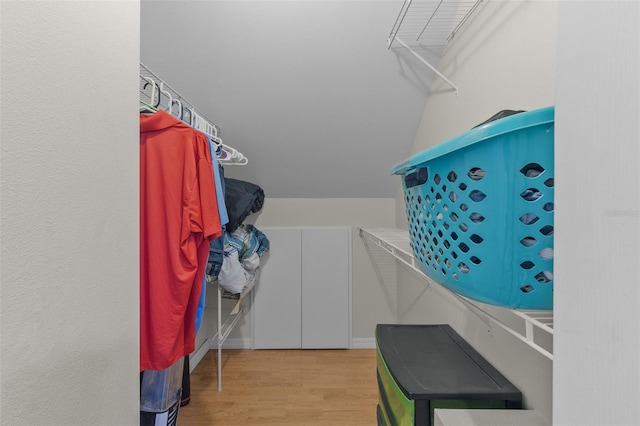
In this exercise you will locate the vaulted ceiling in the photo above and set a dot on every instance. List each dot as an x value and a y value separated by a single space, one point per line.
307 90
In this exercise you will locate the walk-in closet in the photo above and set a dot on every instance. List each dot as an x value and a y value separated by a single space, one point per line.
335 213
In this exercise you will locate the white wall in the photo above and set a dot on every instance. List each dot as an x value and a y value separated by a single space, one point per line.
306 89
369 303
504 58
597 322
69 225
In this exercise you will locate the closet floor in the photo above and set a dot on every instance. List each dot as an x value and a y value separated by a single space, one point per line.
284 387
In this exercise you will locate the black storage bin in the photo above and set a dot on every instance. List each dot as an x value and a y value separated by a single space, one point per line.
423 367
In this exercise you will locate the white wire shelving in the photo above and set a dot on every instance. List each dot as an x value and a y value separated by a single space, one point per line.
533 327
156 94
431 23
226 325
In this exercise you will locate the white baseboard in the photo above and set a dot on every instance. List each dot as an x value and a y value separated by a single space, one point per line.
245 343
234 343
363 343
197 355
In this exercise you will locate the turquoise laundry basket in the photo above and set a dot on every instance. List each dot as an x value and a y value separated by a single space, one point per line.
480 211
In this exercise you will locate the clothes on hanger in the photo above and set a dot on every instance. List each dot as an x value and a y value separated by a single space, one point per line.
216 244
213 267
179 218
182 217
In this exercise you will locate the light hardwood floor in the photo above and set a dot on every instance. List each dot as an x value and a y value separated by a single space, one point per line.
284 387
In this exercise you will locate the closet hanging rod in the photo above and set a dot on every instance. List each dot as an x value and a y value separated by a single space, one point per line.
156 94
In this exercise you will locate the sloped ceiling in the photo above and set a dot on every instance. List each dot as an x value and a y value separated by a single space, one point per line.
307 90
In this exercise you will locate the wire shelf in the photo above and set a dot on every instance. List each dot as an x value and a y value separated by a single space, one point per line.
431 22
533 327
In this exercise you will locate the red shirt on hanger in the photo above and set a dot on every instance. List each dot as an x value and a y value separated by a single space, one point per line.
178 220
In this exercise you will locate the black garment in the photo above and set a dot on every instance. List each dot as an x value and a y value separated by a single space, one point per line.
502 114
186 383
242 198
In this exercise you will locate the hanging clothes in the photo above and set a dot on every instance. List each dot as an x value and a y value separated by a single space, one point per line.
216 246
178 219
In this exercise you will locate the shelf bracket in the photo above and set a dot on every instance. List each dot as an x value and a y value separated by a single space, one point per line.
424 61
